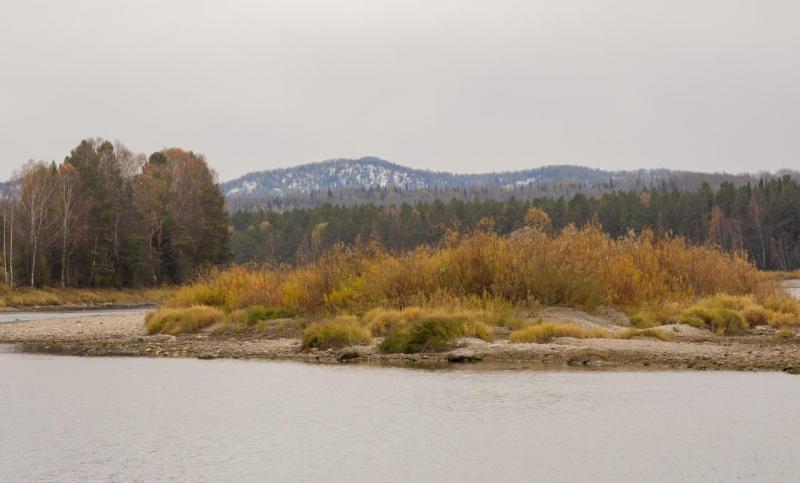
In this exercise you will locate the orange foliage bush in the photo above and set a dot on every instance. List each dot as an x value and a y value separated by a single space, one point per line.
576 267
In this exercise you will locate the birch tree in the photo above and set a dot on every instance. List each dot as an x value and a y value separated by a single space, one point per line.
68 185
36 192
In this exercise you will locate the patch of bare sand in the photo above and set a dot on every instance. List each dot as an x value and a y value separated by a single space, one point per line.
96 327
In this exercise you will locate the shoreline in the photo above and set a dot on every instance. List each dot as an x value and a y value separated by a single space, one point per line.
79 307
124 335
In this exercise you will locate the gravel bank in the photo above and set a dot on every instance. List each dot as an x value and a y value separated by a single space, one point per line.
122 334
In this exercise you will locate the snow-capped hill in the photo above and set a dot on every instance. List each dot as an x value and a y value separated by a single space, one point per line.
333 174
371 172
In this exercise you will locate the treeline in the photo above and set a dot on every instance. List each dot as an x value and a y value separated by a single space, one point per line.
108 217
397 195
762 219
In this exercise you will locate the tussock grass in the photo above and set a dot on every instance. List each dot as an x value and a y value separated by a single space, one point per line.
259 313
720 320
654 333
335 334
184 320
382 321
432 333
783 311
732 315
257 321
658 314
543 333
756 315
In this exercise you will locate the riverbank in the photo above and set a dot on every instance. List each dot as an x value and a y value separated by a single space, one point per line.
24 298
123 334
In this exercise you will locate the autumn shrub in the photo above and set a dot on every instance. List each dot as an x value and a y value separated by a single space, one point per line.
583 267
543 333
432 333
236 287
176 321
335 333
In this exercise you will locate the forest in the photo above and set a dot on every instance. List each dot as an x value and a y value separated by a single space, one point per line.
107 217
761 219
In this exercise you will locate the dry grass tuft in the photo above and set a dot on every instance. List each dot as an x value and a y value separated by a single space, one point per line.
432 332
654 333
335 334
732 315
658 314
181 321
546 332
47 297
720 320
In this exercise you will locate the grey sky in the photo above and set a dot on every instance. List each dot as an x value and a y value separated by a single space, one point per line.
455 85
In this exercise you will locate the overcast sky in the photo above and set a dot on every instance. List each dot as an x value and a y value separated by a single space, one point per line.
457 85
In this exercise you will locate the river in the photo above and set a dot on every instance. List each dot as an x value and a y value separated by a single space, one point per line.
138 419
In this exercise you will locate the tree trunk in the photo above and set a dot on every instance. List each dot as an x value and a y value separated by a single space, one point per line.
11 249
64 255
94 261
5 265
34 247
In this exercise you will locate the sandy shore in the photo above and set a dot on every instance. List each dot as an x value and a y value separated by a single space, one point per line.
123 334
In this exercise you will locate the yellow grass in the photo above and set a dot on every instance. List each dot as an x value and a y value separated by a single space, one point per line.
546 332
432 332
732 315
184 320
634 332
42 297
334 334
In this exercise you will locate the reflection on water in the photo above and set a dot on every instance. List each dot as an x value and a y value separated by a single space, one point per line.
67 418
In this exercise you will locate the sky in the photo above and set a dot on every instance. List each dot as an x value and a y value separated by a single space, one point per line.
457 85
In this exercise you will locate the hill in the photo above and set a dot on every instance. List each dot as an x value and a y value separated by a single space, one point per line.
374 180
371 172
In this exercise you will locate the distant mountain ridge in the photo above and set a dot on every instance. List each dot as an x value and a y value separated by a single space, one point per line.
372 172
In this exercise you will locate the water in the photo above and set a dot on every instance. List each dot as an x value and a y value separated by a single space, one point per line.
135 419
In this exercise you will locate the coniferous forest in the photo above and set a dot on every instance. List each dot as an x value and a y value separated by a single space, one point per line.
762 219
107 217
